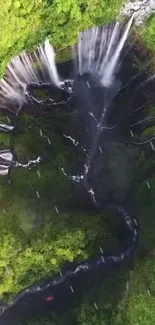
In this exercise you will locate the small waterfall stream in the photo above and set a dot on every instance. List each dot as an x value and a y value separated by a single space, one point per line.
22 72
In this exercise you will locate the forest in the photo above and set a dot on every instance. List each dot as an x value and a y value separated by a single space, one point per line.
36 241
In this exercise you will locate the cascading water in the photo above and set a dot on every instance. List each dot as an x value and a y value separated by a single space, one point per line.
22 72
99 50
8 161
98 57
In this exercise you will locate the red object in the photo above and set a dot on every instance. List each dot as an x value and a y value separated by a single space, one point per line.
49 299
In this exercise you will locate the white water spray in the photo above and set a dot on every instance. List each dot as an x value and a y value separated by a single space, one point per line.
47 57
99 50
38 67
110 68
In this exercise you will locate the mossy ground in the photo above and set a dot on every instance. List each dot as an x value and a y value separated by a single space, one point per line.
36 241
148 33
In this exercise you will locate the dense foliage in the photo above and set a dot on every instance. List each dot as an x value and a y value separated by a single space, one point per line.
35 240
27 258
148 32
28 23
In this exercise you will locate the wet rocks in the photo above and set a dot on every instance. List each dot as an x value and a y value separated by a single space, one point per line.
142 8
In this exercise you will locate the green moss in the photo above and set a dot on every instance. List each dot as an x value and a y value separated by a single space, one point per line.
146 198
149 132
41 93
139 303
64 55
89 316
4 140
148 32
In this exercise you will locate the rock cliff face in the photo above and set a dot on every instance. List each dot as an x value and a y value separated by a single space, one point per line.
142 8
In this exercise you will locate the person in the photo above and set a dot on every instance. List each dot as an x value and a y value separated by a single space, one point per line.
49 298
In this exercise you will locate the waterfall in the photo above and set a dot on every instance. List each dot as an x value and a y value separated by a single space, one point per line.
38 67
108 75
98 52
99 48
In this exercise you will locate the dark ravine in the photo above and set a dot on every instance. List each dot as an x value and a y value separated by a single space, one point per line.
52 293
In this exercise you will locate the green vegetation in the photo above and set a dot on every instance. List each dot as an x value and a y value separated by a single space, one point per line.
35 240
138 305
148 32
30 254
146 39
28 23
